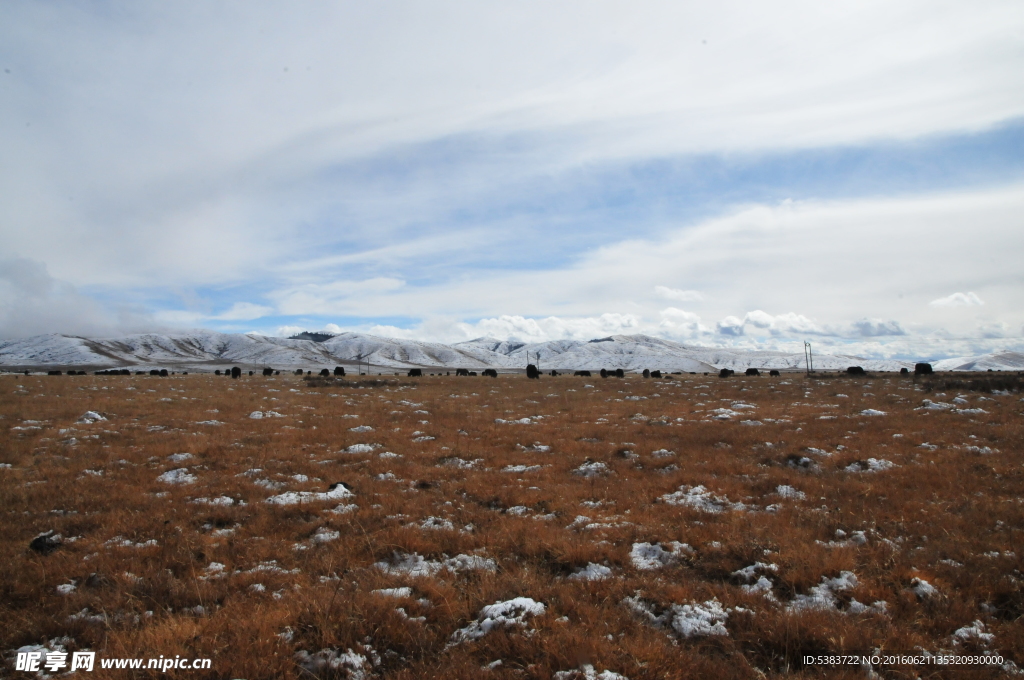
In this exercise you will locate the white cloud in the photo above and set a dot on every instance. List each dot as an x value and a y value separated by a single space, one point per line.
782 324
286 331
681 295
680 324
731 326
958 300
552 327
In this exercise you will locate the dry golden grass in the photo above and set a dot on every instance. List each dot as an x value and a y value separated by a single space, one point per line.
939 515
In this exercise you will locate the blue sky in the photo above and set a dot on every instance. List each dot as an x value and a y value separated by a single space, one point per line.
731 175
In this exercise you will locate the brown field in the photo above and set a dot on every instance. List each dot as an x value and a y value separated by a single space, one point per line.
138 557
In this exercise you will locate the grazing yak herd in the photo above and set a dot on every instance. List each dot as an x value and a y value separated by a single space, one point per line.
532 372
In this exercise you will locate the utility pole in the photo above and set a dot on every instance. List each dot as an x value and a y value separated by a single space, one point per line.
808 357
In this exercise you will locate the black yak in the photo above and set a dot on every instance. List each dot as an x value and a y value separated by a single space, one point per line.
339 372
236 372
585 374
655 374
268 371
461 371
725 372
604 373
647 373
904 371
752 371
415 373
774 373
490 373
923 369
325 373
532 372
298 371
54 373
217 372
619 373
855 370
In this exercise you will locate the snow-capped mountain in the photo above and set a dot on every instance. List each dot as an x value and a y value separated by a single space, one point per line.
205 350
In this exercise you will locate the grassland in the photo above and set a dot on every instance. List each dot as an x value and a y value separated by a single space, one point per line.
682 528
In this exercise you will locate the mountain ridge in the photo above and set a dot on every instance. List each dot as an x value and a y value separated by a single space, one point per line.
204 350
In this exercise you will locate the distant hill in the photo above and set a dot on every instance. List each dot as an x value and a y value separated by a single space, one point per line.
205 350
315 337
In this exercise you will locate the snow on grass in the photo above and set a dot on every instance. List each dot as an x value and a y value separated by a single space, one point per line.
337 491
437 524
923 589
89 417
973 633
219 500
591 469
460 463
361 448
872 412
870 465
66 588
877 607
663 453
521 468
361 428
762 586
648 556
753 423
331 662
856 539
786 491
699 498
324 535
178 457
122 542
508 614
693 620
696 619
591 572
463 562
587 672
402 592
409 565
343 509
929 405
179 476
823 595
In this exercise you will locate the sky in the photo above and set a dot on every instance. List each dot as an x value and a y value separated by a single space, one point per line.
738 174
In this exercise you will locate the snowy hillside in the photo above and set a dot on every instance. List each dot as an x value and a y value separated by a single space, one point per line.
205 350
1002 361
